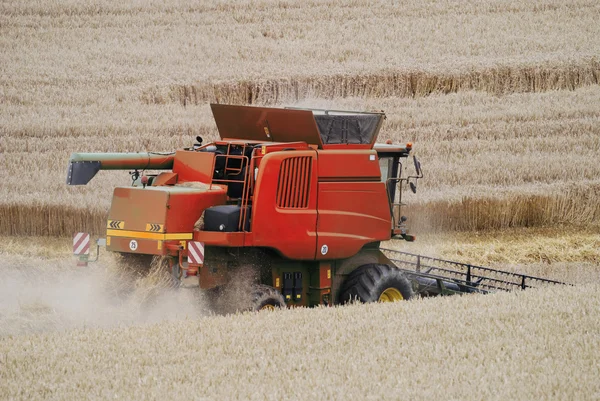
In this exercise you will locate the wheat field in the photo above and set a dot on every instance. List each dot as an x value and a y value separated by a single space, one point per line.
68 333
526 159
499 98
523 345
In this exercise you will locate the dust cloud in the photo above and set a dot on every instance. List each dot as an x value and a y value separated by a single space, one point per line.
51 295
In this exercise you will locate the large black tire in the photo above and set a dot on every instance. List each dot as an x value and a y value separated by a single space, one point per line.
222 301
266 297
375 282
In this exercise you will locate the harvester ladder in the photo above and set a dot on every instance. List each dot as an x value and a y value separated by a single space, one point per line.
396 206
245 181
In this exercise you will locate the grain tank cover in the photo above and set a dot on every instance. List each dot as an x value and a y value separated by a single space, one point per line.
266 124
324 128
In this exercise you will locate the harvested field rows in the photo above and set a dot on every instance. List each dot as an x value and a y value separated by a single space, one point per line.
143 340
501 249
41 290
503 346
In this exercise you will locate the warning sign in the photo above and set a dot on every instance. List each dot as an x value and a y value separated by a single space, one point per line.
81 244
195 253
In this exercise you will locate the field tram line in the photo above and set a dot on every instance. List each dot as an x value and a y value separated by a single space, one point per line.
496 80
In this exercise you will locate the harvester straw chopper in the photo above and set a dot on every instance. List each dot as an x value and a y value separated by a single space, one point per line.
304 197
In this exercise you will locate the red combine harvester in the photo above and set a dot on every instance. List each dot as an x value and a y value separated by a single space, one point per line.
303 197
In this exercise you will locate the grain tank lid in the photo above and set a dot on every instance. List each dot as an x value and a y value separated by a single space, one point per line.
266 124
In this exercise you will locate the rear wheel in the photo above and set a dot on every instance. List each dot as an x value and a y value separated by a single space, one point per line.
265 297
376 283
223 300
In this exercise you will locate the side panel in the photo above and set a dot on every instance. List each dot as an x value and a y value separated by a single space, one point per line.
289 227
193 166
184 209
351 215
348 165
136 207
156 214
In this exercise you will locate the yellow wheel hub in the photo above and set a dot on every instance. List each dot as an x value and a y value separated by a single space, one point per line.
267 307
390 295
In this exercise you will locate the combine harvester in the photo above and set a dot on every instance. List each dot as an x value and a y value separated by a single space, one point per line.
303 197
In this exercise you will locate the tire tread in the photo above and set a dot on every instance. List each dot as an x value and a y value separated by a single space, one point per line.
365 283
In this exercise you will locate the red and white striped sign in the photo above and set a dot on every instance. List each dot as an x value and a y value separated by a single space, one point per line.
81 244
195 253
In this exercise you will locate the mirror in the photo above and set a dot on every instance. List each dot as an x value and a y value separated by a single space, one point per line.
417 165
413 187
199 139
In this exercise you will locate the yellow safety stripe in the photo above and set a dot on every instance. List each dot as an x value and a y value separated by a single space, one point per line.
147 235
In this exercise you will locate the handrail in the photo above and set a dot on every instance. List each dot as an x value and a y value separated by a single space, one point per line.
244 161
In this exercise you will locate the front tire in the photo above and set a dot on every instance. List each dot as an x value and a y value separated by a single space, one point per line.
376 283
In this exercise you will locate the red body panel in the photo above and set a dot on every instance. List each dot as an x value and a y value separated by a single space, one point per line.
193 166
165 179
137 207
292 231
176 208
186 208
351 215
155 214
351 206
348 165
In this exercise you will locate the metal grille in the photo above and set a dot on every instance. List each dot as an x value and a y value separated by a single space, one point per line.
294 182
